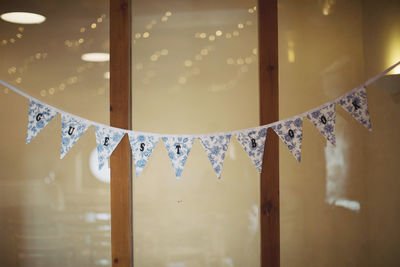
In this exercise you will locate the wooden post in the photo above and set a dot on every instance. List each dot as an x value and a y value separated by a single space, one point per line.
269 112
120 116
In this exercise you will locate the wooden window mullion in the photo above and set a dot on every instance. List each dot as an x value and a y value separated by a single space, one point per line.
120 105
269 112
120 116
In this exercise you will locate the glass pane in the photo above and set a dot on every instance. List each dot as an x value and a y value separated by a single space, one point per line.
195 70
339 207
53 212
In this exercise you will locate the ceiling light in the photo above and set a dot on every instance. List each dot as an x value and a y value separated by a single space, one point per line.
96 57
23 18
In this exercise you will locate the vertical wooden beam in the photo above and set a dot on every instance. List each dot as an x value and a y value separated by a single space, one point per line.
269 112
120 116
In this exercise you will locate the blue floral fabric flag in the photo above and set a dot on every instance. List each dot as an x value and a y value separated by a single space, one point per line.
253 142
324 120
107 140
142 146
178 149
71 130
356 104
39 116
215 147
291 133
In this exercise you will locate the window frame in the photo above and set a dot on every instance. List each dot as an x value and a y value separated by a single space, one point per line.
120 116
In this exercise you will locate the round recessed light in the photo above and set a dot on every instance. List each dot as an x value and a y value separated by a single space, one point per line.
96 57
103 174
107 75
23 18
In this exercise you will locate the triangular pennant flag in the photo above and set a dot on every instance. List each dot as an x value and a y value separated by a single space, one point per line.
291 133
253 142
107 140
39 116
178 149
324 120
215 147
356 104
71 130
142 146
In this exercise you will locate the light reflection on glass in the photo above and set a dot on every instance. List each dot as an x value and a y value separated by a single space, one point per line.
337 174
197 220
393 48
53 212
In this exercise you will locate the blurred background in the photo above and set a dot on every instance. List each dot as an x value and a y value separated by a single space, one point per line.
195 70
53 212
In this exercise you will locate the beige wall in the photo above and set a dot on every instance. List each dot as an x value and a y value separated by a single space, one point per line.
331 201
197 220
381 32
53 212
338 45
326 48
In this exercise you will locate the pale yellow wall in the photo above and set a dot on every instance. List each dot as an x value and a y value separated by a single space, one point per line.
197 220
381 32
328 212
53 212
326 48
336 46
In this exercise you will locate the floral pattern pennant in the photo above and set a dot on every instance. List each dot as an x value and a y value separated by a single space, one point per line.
356 104
178 149
291 133
324 120
253 142
107 140
215 147
39 116
71 130
142 146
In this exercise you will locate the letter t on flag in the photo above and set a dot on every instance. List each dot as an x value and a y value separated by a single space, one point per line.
178 149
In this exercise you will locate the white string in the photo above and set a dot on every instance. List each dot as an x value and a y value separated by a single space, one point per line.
368 82
62 112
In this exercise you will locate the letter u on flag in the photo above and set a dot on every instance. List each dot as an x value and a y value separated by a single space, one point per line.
71 130
39 116
291 133
253 142
107 140
178 149
356 104
215 147
142 146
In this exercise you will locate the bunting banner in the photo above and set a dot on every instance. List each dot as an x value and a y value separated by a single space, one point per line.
289 130
324 119
356 104
142 146
253 141
215 147
291 133
178 149
71 130
107 140
39 116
